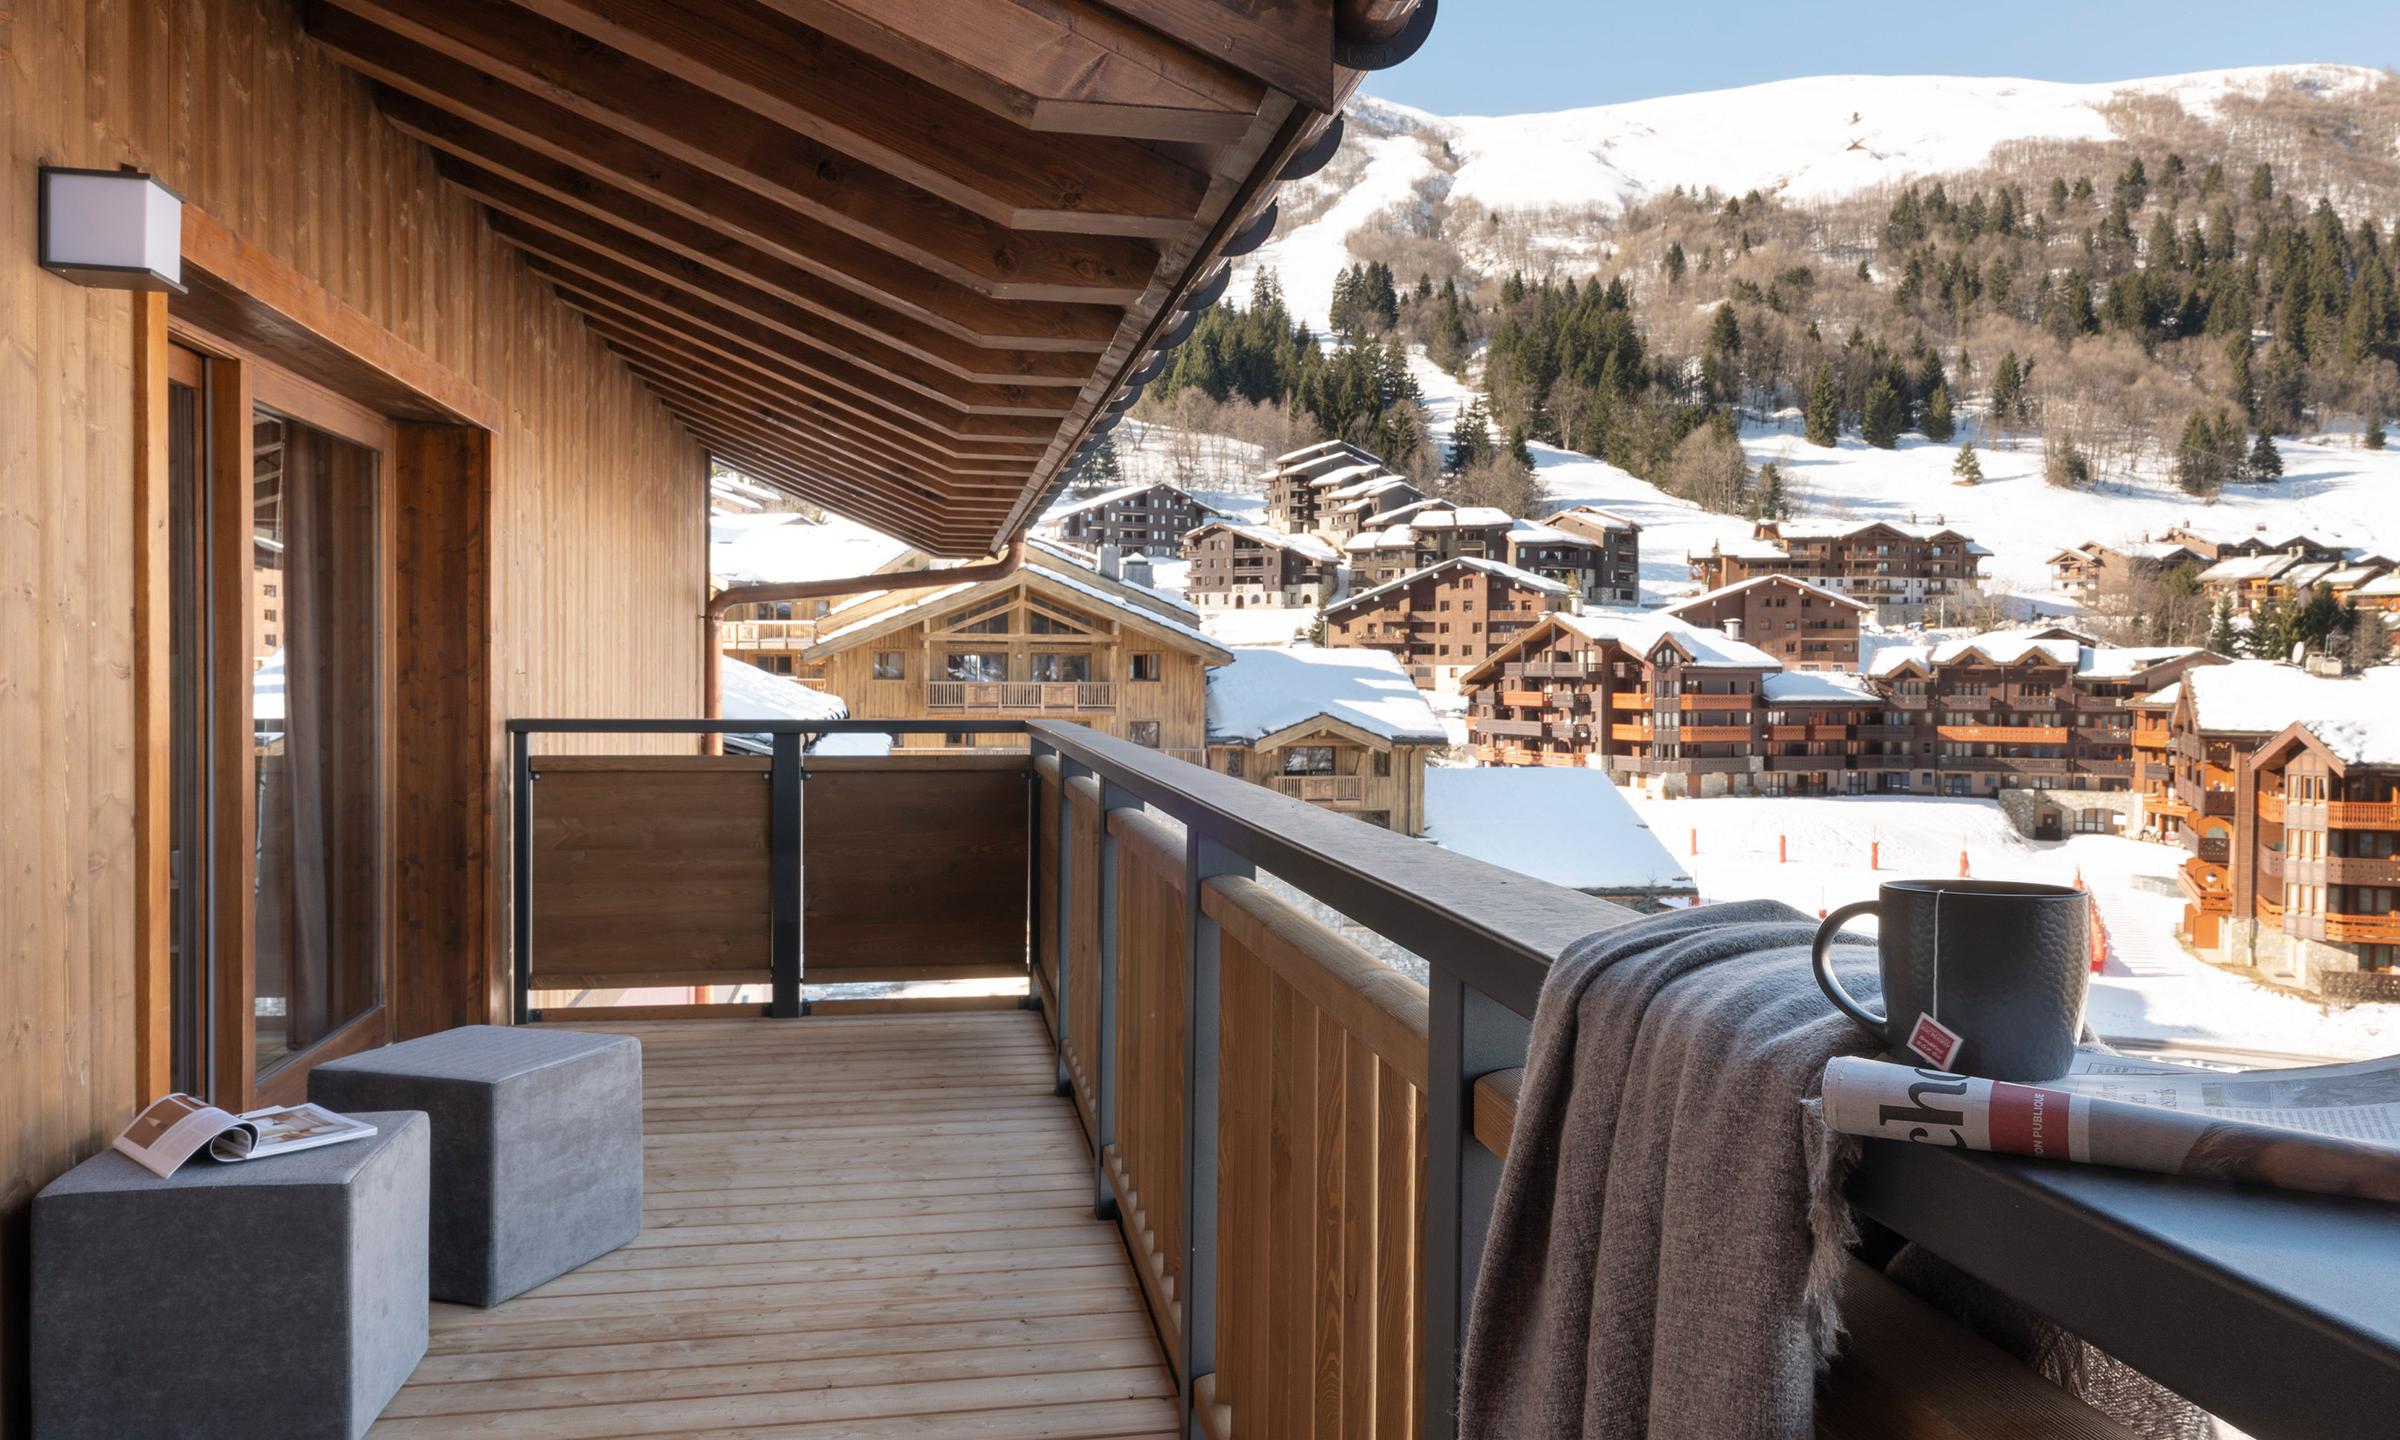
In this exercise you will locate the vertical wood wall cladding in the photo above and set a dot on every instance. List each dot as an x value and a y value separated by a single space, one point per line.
598 497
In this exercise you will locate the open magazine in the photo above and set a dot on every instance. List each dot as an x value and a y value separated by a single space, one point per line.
176 1127
2332 1129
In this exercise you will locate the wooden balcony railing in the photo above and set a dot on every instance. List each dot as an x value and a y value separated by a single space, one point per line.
2363 814
2005 734
2270 806
1036 695
2363 929
1321 789
1291 1133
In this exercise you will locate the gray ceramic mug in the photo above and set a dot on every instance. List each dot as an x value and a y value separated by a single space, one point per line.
1999 968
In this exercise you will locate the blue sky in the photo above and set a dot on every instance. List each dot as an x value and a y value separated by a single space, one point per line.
1499 57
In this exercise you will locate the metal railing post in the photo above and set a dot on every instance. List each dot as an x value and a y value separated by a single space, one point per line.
1104 1062
784 878
520 759
1065 939
1203 860
1472 1035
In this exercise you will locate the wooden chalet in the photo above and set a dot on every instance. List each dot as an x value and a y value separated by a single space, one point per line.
1295 499
1136 519
1347 730
1805 626
1615 576
1905 569
1051 639
1031 1083
1441 620
1243 567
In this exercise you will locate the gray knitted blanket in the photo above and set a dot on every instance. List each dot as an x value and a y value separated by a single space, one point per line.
1665 1254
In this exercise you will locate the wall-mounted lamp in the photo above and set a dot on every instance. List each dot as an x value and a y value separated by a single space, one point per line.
116 229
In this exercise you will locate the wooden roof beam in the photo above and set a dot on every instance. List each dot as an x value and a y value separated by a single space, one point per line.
1039 408
723 139
910 458
1286 46
905 523
759 375
837 453
590 210
944 379
918 133
574 160
1056 65
959 526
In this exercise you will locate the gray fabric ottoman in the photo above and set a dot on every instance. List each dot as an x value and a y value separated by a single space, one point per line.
537 1146
281 1297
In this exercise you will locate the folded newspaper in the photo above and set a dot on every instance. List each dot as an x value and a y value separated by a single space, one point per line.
175 1127
2332 1129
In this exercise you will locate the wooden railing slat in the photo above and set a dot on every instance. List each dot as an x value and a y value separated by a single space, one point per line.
1370 999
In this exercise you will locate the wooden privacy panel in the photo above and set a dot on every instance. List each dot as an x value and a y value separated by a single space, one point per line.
914 868
1321 1153
1083 948
650 870
1049 818
1145 1165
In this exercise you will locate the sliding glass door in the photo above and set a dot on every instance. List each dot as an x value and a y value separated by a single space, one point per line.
279 777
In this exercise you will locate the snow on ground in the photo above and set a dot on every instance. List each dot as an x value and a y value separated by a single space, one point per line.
1807 139
1271 626
1569 827
2330 488
2152 989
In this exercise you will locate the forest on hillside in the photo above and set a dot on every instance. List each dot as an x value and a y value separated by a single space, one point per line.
2166 302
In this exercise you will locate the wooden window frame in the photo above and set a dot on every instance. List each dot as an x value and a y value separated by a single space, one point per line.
264 329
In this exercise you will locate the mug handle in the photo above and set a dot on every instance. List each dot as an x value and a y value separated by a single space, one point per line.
1878 1026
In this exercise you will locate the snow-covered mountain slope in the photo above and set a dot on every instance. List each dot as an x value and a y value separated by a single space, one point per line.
2329 488
1812 138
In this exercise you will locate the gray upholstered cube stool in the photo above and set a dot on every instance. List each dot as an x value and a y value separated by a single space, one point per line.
282 1297
537 1146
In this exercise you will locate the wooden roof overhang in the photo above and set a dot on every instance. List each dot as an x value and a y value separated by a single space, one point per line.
902 258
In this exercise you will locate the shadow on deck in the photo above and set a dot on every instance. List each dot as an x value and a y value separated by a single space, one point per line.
855 1226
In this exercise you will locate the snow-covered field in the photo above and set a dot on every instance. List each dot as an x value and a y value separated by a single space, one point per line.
2330 488
2152 989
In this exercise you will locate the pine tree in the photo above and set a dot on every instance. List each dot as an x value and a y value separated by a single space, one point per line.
1725 331
1967 467
2008 391
2245 390
2266 462
1824 408
1937 424
1767 498
1470 437
2374 438
1099 468
1884 415
2262 184
2223 639
1673 264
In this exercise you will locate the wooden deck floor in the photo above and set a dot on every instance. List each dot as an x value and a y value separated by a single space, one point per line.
862 1226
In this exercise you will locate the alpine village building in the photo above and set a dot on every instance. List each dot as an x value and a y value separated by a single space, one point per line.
1905 570
1344 729
1146 519
2293 825
1235 566
1804 626
1441 621
2040 709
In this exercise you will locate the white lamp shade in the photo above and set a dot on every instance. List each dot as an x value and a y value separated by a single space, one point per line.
118 229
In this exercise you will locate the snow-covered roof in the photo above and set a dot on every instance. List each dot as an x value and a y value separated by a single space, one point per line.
750 693
1057 513
2165 695
1089 564
1841 529
2260 697
2119 662
1605 517
2351 576
1737 587
781 549
1390 537
2306 574
1346 474
1817 687
1055 572
2371 738
2388 584
2000 647
1505 571
1264 691
1320 448
2247 567
1533 532
1569 827
1311 546
1642 630
1463 517
1376 484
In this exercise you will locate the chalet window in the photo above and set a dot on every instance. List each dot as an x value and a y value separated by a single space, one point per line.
1042 624
890 665
1053 668
1143 665
1233 763
1143 732
1383 764
993 624
976 665
1308 760
783 610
